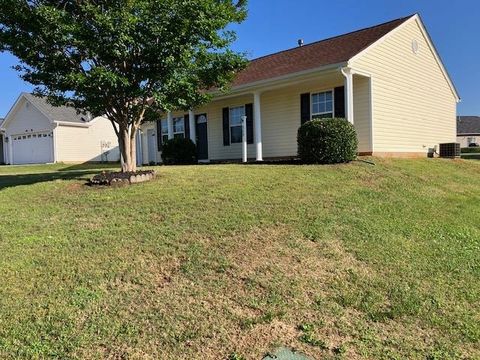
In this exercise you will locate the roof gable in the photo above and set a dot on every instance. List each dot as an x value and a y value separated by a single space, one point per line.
336 50
57 113
65 115
430 44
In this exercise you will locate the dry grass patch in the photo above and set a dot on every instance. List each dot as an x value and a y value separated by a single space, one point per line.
352 261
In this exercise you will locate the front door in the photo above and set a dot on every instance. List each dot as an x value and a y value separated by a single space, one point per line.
152 146
202 136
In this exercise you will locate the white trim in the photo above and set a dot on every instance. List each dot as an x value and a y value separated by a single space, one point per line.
381 40
257 120
319 92
356 71
427 37
81 125
170 125
347 73
193 126
372 127
244 139
279 82
10 150
54 144
6 120
437 57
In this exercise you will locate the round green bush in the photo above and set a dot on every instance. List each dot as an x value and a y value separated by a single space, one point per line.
327 141
179 151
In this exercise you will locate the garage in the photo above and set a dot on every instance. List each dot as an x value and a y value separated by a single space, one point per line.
34 148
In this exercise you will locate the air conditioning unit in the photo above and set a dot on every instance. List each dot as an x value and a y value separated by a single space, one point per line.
450 150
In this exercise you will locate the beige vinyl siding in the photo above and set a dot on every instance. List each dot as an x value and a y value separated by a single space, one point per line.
280 110
361 112
414 106
80 144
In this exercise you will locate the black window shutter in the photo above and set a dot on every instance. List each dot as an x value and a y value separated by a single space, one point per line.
249 115
159 135
226 126
186 125
339 99
305 108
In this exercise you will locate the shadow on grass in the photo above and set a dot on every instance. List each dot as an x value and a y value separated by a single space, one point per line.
7 181
90 166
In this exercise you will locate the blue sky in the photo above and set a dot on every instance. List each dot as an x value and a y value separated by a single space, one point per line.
275 25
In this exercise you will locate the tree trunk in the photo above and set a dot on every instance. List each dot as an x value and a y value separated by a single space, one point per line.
127 144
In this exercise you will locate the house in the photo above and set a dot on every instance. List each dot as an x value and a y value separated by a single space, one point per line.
35 132
388 80
468 130
2 160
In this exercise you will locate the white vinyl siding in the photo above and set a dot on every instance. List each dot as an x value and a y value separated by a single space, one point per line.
95 143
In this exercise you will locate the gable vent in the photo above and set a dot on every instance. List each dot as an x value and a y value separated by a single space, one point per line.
415 46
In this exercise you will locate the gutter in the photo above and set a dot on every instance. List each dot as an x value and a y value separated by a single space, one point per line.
67 123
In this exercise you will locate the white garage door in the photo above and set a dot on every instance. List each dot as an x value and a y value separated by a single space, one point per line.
32 148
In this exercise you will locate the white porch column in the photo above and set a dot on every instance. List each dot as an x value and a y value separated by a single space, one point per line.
347 72
257 118
193 128
244 139
170 125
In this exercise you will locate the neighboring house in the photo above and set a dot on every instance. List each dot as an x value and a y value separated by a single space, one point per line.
2 160
388 80
35 132
468 130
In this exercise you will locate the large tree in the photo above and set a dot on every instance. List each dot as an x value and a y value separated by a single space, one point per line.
123 59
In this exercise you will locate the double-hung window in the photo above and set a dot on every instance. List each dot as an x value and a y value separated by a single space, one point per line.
236 114
322 105
178 127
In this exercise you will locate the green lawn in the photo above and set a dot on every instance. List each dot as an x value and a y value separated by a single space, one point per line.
231 261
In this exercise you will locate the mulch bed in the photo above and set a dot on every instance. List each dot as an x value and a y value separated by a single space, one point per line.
121 178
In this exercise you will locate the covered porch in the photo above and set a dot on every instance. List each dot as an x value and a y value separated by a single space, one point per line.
274 111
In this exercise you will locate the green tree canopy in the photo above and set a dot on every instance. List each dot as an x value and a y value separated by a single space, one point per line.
123 59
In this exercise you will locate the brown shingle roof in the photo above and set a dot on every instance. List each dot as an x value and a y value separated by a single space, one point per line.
468 125
325 52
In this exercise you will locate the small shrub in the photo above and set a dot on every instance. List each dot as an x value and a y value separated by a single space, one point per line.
179 151
471 150
327 141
